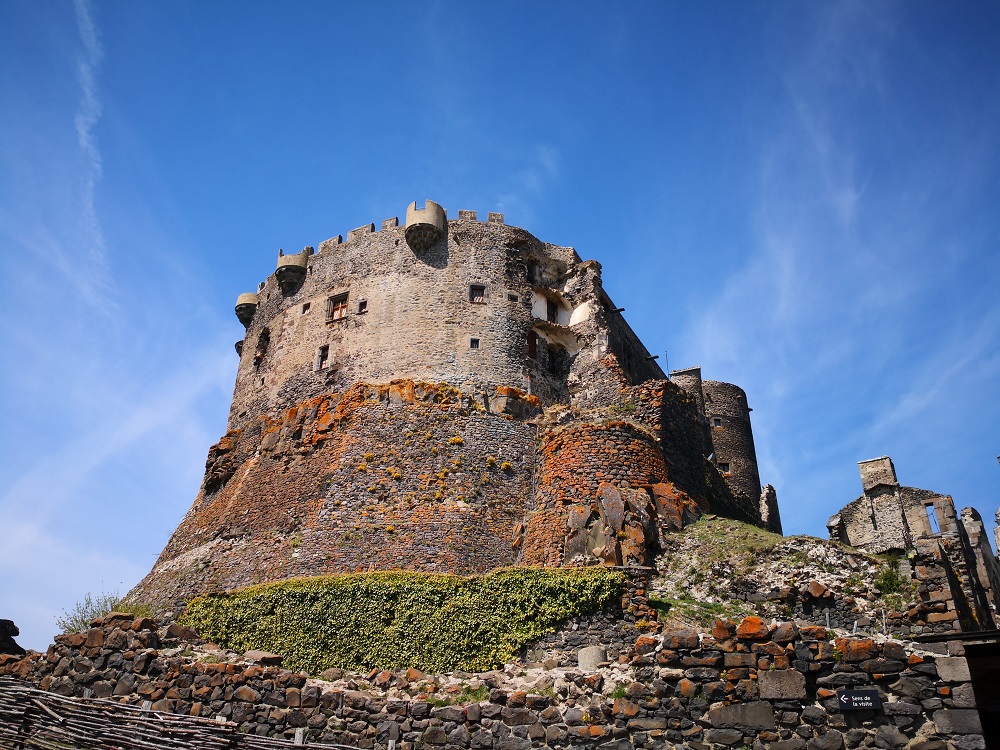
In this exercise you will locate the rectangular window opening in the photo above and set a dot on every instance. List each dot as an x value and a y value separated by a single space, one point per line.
322 356
305 308
716 422
553 358
336 307
551 311
532 344
932 518
511 297
362 306
724 468
477 294
473 343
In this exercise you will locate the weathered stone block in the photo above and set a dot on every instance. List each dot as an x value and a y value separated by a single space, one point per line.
958 721
953 669
832 740
589 659
963 696
755 715
782 684
752 629
792 743
724 736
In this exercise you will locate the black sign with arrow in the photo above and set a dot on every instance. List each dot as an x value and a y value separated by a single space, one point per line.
859 700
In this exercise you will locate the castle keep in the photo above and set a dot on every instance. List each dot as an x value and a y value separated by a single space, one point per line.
451 395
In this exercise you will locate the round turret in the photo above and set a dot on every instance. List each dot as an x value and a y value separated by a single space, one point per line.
732 437
424 226
291 270
246 306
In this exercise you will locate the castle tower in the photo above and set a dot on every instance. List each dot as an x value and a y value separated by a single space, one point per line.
728 418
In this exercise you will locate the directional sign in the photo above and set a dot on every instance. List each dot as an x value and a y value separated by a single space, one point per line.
859 700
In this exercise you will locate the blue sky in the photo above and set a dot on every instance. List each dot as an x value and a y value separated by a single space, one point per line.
799 197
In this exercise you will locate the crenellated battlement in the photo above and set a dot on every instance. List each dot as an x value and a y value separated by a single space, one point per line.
292 268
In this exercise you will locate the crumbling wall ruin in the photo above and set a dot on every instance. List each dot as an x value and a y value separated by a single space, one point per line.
949 557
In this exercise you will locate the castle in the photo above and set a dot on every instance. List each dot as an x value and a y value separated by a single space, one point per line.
451 395
457 396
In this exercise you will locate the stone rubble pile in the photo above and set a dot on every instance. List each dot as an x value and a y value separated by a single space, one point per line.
800 578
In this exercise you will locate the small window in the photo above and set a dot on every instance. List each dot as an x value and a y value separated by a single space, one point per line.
932 518
263 341
473 343
716 422
724 467
532 344
336 307
322 356
305 308
477 294
551 311
362 306
511 297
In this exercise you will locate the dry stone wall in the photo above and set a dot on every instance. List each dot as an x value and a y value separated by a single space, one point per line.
772 686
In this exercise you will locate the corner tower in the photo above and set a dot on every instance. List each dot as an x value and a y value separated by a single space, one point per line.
728 416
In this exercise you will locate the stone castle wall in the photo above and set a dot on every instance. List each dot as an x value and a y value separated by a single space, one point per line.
949 557
460 312
400 476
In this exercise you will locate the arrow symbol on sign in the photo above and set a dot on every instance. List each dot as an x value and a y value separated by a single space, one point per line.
844 699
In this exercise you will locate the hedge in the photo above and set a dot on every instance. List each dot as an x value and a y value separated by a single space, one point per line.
395 620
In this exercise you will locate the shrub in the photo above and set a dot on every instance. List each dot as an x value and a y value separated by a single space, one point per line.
394 620
93 606
888 580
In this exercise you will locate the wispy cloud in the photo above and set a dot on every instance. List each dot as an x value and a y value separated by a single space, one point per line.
164 405
528 183
819 322
972 355
94 281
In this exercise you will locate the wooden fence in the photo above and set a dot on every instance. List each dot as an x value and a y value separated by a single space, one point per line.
32 718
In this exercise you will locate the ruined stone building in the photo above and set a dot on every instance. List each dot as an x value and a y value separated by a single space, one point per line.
451 395
940 547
